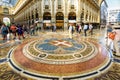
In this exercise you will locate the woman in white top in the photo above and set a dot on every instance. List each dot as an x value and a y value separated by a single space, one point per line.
91 29
70 31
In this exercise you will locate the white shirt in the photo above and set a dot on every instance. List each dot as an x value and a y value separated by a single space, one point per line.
70 28
85 27
90 26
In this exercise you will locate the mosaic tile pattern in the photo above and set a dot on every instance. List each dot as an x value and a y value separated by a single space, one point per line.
53 63
20 68
60 51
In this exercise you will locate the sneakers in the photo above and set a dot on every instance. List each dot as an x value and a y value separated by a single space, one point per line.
116 55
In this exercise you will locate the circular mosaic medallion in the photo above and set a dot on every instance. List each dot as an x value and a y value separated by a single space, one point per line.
59 51
55 56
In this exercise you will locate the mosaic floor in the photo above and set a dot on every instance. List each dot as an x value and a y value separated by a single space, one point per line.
54 56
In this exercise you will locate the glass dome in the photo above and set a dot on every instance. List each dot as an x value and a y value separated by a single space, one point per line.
8 3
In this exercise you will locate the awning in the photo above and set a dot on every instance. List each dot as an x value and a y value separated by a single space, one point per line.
47 21
72 21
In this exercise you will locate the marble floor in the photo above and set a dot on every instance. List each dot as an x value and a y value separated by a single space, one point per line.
54 56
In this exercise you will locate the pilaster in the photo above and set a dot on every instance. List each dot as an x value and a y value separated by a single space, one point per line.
78 13
66 15
53 11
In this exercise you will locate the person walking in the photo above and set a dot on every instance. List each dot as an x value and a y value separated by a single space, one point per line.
117 41
111 37
79 28
91 29
13 29
20 32
70 28
4 31
85 28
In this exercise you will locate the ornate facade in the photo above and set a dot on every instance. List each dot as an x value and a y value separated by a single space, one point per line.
61 12
114 16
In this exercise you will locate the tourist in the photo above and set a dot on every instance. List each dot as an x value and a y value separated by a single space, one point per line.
111 37
70 28
85 28
20 32
13 29
91 29
53 27
4 31
32 29
117 41
79 28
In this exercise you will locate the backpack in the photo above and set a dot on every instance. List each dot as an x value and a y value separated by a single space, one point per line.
4 30
111 35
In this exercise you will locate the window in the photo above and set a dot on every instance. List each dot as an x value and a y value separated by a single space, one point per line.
72 4
6 1
46 2
6 10
47 16
59 2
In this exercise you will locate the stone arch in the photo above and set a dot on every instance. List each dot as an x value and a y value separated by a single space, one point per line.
47 16
47 20
59 20
72 16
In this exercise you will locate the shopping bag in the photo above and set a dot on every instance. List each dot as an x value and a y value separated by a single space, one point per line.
8 36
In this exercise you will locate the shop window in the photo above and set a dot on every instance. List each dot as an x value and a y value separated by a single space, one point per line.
59 16
47 16
72 16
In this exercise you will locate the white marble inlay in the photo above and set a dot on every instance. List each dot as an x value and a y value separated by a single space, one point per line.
65 43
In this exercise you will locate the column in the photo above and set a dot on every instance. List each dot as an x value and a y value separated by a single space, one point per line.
53 12
81 10
40 9
84 19
66 15
78 13
40 13
98 20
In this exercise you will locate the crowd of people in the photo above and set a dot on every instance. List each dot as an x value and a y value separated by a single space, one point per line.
18 30
87 28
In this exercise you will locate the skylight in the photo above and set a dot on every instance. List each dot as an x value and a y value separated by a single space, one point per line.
8 3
